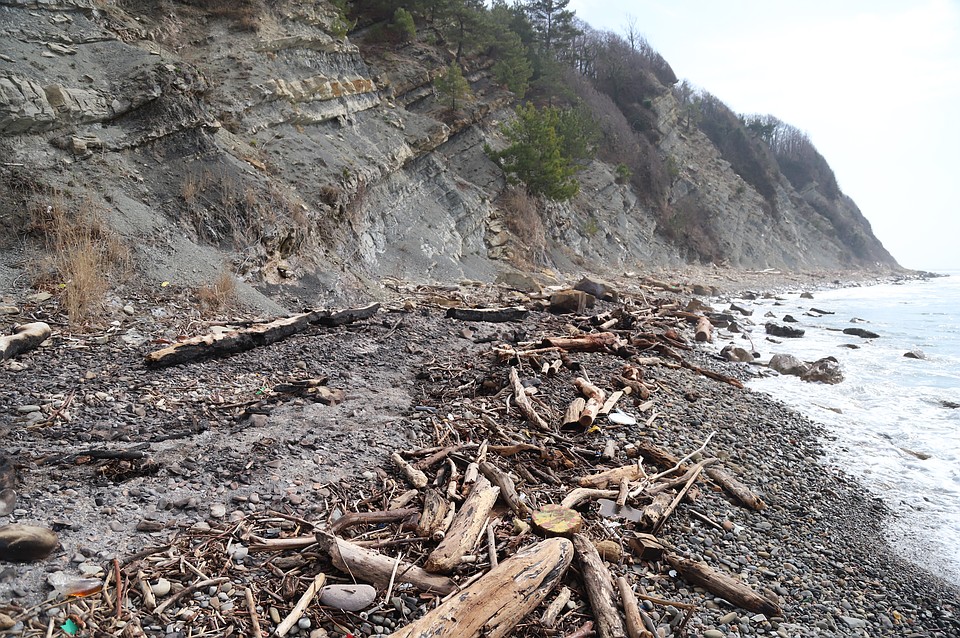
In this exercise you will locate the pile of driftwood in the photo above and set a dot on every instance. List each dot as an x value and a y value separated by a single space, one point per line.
500 527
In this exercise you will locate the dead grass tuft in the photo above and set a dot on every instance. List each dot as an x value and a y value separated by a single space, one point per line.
83 256
219 296
522 216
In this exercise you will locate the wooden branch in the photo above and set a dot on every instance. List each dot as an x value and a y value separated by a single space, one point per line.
736 489
676 501
589 390
417 478
359 518
523 402
590 412
655 511
465 529
264 334
493 315
574 410
281 544
186 591
599 585
549 618
493 605
612 401
581 494
631 472
631 610
585 631
594 342
25 337
375 568
736 592
297 612
508 490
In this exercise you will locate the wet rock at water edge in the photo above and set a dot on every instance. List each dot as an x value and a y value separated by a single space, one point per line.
736 353
783 331
788 364
826 370
915 354
860 332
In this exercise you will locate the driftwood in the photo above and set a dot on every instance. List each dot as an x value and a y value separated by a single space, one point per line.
351 519
590 411
581 494
465 529
631 610
549 617
377 569
417 478
284 627
656 510
211 345
574 410
632 472
24 338
599 585
523 401
435 509
732 590
492 606
508 490
704 331
736 489
594 342
557 520
492 315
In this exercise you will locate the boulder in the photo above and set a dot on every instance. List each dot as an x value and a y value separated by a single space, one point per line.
571 301
25 543
519 281
788 364
826 370
806 295
736 353
598 288
783 331
348 597
915 354
860 332
743 311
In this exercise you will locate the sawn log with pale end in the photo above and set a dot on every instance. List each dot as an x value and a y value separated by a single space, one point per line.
218 345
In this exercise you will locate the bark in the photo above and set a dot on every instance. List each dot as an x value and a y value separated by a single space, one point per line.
599 585
492 606
465 529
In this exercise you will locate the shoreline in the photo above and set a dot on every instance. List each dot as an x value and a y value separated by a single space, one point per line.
819 547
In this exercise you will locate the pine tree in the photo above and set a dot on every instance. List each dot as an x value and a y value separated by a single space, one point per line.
453 87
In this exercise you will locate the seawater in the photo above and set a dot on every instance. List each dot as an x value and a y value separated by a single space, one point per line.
894 421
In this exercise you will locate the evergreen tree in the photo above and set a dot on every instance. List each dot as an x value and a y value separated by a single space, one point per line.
453 87
552 23
512 68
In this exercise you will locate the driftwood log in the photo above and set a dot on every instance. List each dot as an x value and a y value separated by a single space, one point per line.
433 516
599 585
25 337
508 490
736 592
212 345
631 610
736 489
467 525
492 606
492 315
523 401
601 480
376 569
704 330
594 342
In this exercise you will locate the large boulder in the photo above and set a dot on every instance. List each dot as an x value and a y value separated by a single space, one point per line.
783 331
860 332
826 370
736 353
598 288
788 364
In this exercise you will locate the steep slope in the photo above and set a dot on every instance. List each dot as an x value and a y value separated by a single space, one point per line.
245 136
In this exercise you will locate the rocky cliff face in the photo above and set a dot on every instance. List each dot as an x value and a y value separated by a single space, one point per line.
312 165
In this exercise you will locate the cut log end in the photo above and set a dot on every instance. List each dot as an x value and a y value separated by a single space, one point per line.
557 520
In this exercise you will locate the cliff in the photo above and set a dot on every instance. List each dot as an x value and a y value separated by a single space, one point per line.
248 137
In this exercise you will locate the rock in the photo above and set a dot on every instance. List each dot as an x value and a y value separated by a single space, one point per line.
822 312
348 597
783 331
788 364
702 290
806 295
790 319
743 311
6 622
9 310
826 370
518 281
915 354
128 310
571 301
860 332
25 543
853 623
728 618
218 510
713 633
8 500
598 288
736 353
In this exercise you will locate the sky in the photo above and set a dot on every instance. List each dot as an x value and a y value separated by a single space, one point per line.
875 84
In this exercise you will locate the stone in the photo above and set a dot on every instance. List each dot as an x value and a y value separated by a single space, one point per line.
853 623
218 510
806 295
518 281
348 597
571 301
128 310
26 543
915 354
9 310
743 311
736 353
6 622
826 370
598 288
160 588
713 633
788 364
726 619
860 332
8 500
783 331
790 319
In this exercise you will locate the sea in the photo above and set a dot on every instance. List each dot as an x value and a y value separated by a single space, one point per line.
894 421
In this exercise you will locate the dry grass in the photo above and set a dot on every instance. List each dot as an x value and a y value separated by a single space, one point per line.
522 216
219 296
83 256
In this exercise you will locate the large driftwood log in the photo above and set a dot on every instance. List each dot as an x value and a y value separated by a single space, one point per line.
599 585
523 401
376 569
724 586
435 509
492 315
594 342
264 334
352 519
704 330
492 606
465 529
735 488
25 337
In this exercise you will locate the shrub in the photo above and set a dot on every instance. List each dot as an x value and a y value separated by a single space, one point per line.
522 217
453 87
219 296
403 25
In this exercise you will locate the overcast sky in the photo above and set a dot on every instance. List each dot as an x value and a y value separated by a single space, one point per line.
874 83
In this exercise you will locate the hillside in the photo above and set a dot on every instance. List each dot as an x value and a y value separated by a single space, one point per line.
204 141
